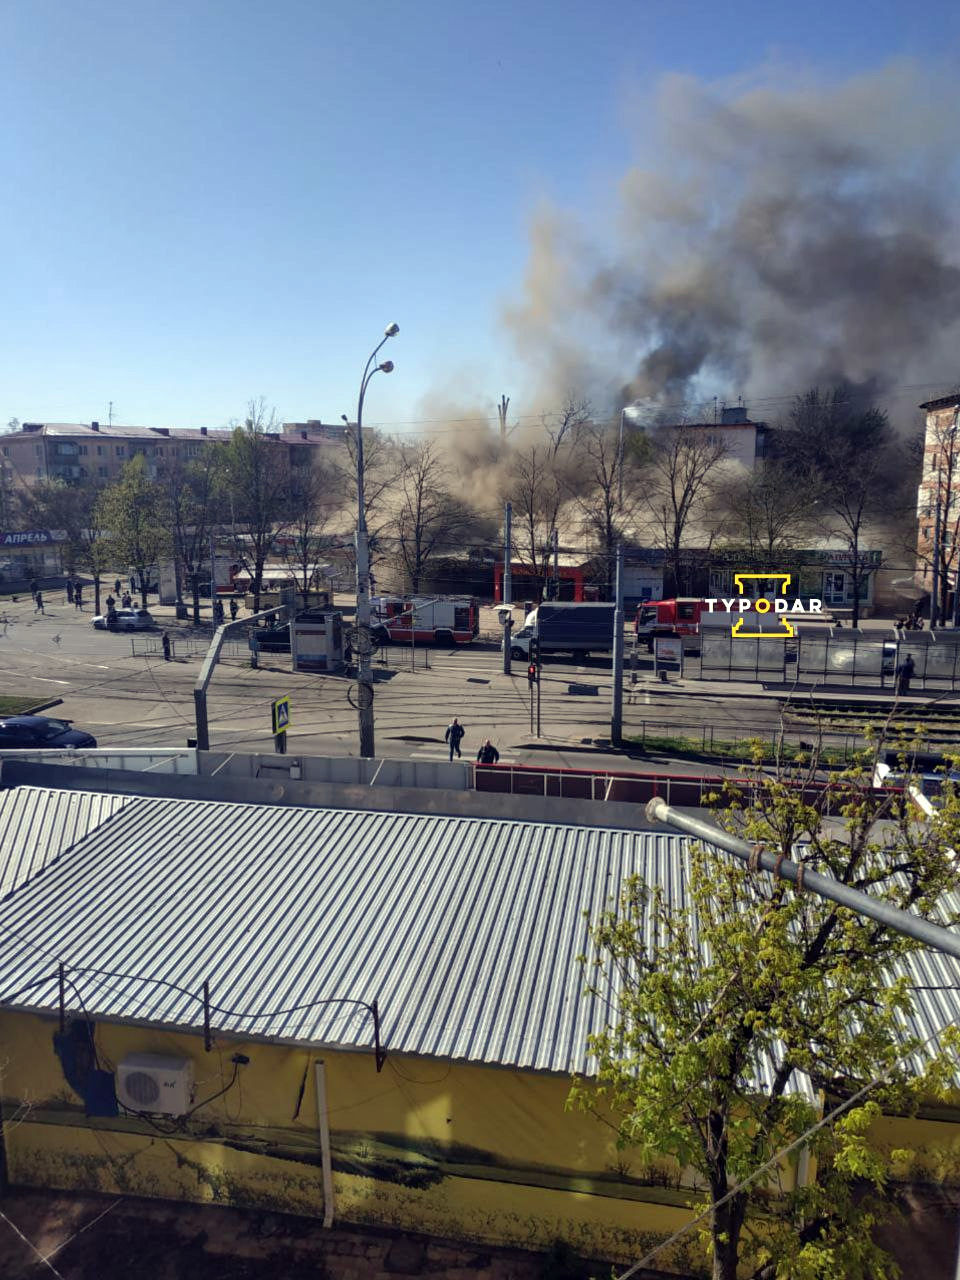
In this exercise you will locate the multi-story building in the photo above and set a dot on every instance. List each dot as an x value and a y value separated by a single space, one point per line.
77 452
744 442
938 500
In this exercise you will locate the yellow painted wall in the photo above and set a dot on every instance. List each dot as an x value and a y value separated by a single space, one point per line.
464 1151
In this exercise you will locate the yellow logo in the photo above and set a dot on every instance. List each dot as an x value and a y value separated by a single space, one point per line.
779 605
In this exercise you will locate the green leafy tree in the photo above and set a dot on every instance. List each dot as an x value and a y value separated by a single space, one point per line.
740 1014
75 511
132 513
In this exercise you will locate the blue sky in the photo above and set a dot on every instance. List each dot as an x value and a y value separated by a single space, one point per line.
207 202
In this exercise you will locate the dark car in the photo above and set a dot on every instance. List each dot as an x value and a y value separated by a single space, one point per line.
32 732
272 639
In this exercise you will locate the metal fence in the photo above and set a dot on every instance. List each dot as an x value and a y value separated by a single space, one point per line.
848 658
196 646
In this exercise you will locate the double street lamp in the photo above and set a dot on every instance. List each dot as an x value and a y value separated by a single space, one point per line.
364 645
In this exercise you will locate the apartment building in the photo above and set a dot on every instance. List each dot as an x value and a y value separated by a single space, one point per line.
75 452
938 499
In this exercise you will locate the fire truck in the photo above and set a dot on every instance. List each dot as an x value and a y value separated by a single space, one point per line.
684 616
443 620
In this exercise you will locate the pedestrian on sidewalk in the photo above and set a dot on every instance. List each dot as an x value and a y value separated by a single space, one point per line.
38 602
234 608
488 753
69 591
905 673
34 587
454 736
116 587
78 595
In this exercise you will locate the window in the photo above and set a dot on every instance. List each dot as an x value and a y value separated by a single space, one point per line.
685 610
6 451
120 450
103 471
83 448
99 450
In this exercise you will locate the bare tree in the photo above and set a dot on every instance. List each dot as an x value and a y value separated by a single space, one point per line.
379 477
605 490
680 475
192 493
846 449
538 489
765 513
428 515
317 494
256 475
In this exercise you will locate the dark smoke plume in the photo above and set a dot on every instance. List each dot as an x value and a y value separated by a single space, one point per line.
782 237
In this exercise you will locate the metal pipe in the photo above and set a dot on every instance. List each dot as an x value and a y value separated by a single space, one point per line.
932 935
323 1125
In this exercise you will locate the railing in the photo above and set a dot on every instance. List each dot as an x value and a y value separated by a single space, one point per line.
683 790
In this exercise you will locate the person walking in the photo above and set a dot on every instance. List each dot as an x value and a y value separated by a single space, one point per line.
905 673
454 736
34 587
116 587
38 602
234 608
78 595
488 753
69 589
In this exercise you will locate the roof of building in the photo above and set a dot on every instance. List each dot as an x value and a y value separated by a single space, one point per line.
118 432
465 930
943 402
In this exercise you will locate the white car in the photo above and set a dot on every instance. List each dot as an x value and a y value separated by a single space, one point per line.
127 620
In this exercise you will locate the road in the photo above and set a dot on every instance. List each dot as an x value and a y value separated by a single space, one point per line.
144 702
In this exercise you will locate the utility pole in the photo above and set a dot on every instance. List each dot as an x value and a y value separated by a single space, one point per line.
364 646
556 565
935 583
620 464
507 553
502 413
110 415
616 706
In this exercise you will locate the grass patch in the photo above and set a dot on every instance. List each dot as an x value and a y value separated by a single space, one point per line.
740 749
14 706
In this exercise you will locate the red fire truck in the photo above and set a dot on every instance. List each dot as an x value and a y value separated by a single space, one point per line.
444 620
681 617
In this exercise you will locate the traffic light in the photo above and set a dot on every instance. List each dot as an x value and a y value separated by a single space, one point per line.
532 674
534 652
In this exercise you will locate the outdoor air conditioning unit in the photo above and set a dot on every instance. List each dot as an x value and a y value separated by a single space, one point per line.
153 1082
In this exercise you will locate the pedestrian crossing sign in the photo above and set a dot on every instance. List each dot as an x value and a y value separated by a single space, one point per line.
281 714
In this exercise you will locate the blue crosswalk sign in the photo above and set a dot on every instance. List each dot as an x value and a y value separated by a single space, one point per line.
281 714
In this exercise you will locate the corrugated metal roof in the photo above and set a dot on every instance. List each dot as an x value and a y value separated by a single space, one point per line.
465 930
37 826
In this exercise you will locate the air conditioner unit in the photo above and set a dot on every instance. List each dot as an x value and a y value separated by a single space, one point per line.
153 1082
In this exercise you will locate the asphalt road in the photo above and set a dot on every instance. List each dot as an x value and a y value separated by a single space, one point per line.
135 701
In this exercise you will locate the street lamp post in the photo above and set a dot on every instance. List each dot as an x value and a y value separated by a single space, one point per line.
364 646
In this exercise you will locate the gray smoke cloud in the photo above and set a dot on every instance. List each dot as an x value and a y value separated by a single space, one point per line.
779 236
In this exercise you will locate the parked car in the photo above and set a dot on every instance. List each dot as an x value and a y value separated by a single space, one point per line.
127 620
45 732
272 639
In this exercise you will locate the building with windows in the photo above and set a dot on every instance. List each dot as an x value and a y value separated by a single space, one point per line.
78 452
938 501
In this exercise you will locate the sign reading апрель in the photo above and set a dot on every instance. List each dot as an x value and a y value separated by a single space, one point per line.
780 605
